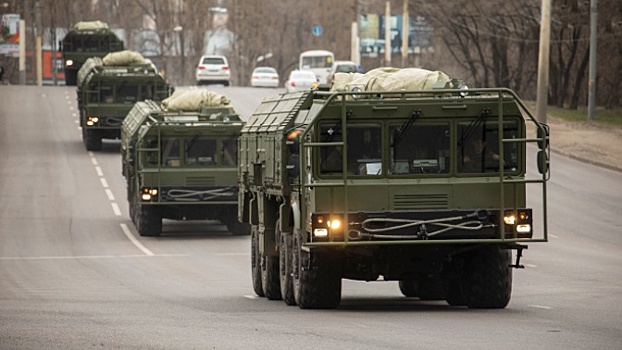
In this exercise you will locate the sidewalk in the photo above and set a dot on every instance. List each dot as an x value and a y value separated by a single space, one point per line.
595 144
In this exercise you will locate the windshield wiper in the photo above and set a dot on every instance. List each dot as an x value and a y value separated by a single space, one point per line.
466 134
401 131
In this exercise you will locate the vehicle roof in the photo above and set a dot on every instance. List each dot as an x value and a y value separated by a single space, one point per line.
302 73
264 68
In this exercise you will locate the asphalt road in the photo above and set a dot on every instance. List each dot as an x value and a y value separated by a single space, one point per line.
75 275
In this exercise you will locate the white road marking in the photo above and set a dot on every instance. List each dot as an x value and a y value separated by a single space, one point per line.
133 239
99 171
540 307
233 254
115 208
553 236
94 161
248 296
109 194
531 265
87 257
104 182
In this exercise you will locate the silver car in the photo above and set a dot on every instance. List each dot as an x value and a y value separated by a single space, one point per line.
213 70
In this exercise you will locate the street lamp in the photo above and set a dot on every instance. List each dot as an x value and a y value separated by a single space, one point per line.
179 30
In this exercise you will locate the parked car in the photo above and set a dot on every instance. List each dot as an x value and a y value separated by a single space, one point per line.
213 69
265 76
300 80
342 67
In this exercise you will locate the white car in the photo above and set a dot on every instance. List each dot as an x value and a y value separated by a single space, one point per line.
265 77
342 67
300 80
213 70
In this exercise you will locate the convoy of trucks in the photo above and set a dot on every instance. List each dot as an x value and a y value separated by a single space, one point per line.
395 175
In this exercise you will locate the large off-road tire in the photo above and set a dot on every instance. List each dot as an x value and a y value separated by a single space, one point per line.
256 261
238 228
149 221
270 277
285 266
318 287
454 282
92 139
408 288
488 278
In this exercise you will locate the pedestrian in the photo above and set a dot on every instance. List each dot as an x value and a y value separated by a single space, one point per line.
1 72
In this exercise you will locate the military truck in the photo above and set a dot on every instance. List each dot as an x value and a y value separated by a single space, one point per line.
87 39
375 180
107 90
181 164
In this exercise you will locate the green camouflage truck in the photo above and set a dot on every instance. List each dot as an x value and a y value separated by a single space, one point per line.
87 39
380 179
107 90
181 165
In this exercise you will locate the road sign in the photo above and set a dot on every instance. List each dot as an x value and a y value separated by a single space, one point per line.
317 30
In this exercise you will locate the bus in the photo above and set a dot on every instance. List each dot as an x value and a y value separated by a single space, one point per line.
319 62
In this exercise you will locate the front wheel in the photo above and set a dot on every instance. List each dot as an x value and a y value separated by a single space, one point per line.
316 278
149 221
255 261
92 139
285 266
488 278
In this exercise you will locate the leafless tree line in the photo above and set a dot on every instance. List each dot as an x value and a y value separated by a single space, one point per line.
486 43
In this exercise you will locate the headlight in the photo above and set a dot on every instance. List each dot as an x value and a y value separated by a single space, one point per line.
356 92
147 193
324 226
91 121
69 63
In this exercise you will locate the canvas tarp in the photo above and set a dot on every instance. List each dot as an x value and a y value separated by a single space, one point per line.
90 25
194 100
389 79
123 58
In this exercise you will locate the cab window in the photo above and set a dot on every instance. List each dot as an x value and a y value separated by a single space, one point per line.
419 149
478 147
364 146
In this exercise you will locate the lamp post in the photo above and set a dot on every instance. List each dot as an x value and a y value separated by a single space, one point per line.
180 31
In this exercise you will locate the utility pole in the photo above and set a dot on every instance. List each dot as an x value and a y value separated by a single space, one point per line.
38 42
387 34
591 101
543 62
405 23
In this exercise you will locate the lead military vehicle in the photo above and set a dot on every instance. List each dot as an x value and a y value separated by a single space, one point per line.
87 39
385 177
180 162
107 90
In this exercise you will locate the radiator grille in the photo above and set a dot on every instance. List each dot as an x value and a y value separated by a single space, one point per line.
420 201
200 181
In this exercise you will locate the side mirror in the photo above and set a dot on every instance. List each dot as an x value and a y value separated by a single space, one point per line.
543 162
543 134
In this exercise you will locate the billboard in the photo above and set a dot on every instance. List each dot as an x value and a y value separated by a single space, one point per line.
372 38
9 36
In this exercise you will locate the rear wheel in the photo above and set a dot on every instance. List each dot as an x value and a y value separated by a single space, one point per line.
255 261
149 221
285 266
488 278
270 276
408 288
316 280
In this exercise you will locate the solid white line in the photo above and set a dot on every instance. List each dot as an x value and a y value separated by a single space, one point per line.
247 296
104 182
109 194
115 208
86 257
530 265
133 239
540 307
94 161
99 171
